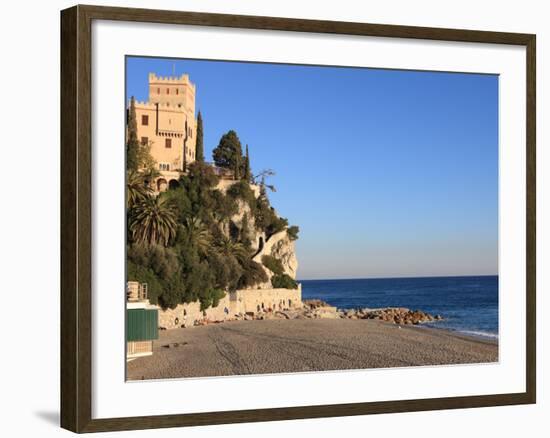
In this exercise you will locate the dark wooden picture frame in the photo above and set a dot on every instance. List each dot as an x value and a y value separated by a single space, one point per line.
76 225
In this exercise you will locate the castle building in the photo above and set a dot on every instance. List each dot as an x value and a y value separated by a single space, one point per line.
167 123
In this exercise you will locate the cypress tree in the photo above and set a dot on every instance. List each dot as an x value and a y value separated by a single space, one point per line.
132 142
184 164
200 142
237 167
247 175
245 230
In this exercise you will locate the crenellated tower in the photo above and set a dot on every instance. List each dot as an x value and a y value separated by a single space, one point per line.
167 123
172 91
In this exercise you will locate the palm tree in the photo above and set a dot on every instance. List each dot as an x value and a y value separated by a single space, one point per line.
196 234
153 221
149 175
136 189
229 248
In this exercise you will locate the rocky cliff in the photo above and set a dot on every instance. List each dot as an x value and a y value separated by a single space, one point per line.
282 248
278 245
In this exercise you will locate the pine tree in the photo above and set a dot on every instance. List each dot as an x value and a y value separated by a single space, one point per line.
200 142
132 142
247 175
228 152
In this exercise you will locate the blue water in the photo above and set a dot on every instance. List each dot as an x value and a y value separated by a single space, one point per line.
468 304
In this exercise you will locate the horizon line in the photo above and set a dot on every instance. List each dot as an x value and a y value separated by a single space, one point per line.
394 278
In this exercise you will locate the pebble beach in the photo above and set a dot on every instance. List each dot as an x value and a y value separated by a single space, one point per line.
302 345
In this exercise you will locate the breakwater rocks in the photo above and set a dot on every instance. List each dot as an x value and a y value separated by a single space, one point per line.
394 315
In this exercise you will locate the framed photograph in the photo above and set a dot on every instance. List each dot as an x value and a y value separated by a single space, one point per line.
271 218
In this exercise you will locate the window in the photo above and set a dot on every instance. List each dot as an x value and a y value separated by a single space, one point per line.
168 91
177 91
164 166
158 90
144 141
168 143
145 120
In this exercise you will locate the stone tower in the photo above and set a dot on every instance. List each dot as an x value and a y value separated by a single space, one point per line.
167 123
172 91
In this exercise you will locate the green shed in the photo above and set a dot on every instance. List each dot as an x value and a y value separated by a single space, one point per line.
141 325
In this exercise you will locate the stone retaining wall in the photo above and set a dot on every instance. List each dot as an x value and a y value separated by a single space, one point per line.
257 300
233 304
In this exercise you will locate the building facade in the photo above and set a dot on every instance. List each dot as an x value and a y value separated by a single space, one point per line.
167 123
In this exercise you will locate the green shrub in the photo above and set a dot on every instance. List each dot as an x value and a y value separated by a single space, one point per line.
292 232
211 298
173 292
253 273
276 224
266 219
273 264
162 261
283 281
240 190
145 275
217 295
244 232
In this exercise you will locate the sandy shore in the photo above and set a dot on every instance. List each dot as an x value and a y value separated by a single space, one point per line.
276 346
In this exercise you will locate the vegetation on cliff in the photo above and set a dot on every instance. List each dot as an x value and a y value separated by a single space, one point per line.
183 242
280 279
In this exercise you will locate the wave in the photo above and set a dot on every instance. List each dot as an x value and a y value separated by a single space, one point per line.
479 334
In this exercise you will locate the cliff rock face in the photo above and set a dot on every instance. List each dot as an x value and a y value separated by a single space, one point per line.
278 245
281 247
237 219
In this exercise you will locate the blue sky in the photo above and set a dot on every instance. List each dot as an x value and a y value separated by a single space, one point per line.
388 173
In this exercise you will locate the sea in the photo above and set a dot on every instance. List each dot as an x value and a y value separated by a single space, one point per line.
469 305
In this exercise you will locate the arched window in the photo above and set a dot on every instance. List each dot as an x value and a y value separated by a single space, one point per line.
161 185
